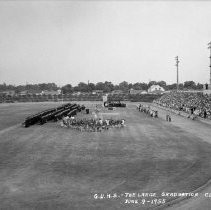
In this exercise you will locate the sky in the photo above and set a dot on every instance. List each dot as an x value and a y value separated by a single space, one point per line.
67 42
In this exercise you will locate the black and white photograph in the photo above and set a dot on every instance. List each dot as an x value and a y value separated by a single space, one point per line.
105 105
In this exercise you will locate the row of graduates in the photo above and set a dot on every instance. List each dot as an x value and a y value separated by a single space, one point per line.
147 109
91 125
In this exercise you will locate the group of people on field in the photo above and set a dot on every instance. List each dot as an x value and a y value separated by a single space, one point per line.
91 125
148 110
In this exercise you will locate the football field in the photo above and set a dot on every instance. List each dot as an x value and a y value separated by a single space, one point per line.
50 167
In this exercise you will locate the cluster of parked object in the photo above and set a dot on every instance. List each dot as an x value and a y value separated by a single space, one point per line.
53 114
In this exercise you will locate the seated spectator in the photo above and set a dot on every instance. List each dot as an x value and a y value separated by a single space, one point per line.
191 103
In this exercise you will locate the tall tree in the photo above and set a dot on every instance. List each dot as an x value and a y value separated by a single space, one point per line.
190 85
99 86
199 86
137 86
83 87
108 87
124 86
162 84
91 87
67 89
172 86
152 83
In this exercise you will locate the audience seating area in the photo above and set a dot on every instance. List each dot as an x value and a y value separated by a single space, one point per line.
191 103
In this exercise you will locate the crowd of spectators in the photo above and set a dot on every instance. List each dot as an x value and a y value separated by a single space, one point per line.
148 110
196 104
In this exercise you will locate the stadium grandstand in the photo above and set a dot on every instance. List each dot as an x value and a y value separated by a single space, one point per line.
195 103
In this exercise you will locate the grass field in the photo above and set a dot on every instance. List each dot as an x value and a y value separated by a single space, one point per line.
50 167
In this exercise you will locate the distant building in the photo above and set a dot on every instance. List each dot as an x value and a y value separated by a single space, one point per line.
8 93
78 93
116 92
23 93
84 93
51 92
156 89
135 92
144 92
97 92
34 92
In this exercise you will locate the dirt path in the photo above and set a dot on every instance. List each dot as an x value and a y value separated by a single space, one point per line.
203 202
198 128
202 130
9 128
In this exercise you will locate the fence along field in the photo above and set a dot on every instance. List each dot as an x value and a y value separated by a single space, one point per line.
49 167
69 97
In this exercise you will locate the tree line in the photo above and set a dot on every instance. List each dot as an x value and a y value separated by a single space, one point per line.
103 86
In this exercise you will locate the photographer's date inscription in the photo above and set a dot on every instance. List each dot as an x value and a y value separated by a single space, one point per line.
145 198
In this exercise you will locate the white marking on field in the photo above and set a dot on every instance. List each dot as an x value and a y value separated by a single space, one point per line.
114 186
110 113
102 115
133 108
12 188
10 128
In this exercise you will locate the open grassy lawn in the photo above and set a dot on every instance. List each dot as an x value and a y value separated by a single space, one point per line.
50 167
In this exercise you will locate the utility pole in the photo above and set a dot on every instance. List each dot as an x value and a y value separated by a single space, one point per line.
88 86
209 47
62 96
177 65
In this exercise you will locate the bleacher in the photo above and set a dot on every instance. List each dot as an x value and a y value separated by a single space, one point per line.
189 102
